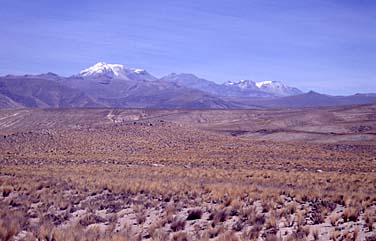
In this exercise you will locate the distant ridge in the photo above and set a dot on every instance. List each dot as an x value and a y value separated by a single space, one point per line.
242 88
314 99
113 85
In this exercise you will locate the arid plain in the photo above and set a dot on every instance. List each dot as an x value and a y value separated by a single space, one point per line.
139 174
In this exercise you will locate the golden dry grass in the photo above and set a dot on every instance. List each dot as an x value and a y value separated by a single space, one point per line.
161 180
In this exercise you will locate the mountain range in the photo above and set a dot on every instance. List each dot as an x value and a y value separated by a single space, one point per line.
113 85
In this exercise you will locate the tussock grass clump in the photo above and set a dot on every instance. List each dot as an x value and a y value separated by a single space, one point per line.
180 236
140 217
177 224
255 218
45 230
215 231
159 235
218 216
300 233
252 234
271 222
315 234
333 219
8 229
350 214
228 236
334 235
355 235
236 203
271 237
301 219
369 220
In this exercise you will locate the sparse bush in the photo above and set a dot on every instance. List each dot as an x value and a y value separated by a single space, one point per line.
140 217
252 234
291 208
265 207
91 219
7 190
228 236
319 215
194 214
177 224
180 236
238 225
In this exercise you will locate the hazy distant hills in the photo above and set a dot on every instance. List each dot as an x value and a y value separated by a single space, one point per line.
41 91
113 85
310 99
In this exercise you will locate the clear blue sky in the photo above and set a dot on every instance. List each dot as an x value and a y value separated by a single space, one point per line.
325 45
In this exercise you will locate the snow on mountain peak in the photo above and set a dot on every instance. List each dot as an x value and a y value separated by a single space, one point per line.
242 84
277 88
116 71
266 82
272 87
103 68
138 71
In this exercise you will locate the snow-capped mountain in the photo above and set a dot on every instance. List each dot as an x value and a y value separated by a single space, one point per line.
242 84
113 85
275 88
116 71
105 73
242 88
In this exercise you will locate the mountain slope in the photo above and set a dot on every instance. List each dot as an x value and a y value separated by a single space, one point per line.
314 99
42 91
242 88
113 85
194 82
8 103
141 94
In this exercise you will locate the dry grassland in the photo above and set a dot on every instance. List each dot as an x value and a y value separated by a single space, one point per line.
95 174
